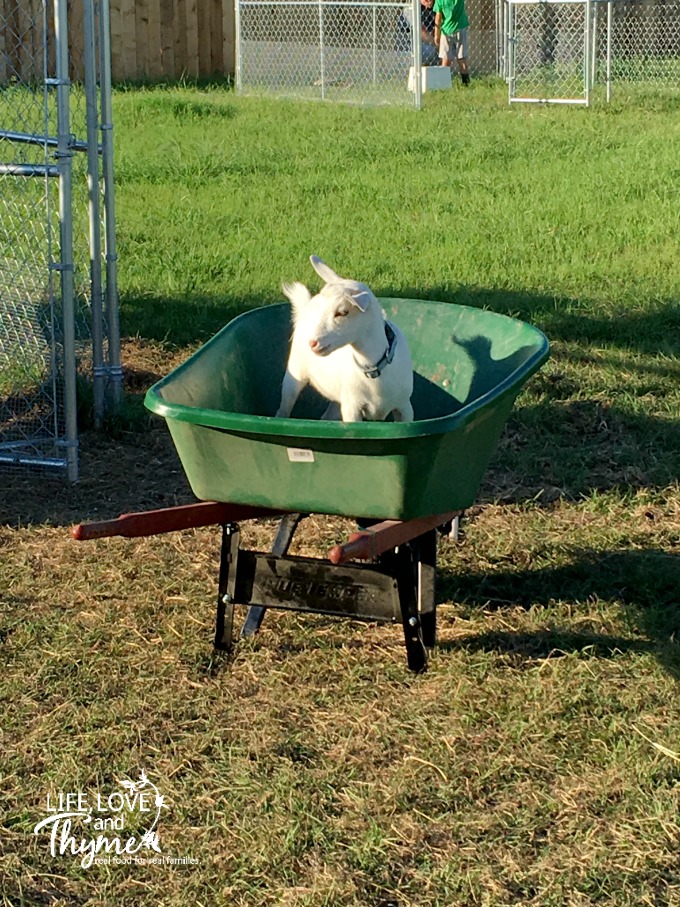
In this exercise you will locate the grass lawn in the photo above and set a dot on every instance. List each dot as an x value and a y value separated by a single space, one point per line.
538 761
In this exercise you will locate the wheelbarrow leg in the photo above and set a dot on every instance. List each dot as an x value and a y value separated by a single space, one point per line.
284 537
425 562
227 582
400 564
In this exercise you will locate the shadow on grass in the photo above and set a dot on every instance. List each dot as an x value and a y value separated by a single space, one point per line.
184 322
570 448
653 330
644 582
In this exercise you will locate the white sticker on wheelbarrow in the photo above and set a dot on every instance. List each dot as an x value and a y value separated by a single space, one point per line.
300 455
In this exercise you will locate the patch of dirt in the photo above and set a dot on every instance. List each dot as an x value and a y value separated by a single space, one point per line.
136 470
139 471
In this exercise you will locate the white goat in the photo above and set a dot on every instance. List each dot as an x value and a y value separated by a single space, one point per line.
346 349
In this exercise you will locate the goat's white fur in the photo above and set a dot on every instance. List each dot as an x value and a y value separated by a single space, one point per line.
335 333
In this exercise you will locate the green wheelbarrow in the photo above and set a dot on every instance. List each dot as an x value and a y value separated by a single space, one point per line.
412 478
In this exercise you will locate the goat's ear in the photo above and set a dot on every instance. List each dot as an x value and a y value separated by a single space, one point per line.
297 293
322 269
361 299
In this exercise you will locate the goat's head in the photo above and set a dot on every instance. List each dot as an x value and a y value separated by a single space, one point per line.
337 315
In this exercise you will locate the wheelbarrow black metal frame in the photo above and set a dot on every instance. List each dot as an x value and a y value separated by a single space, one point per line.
398 583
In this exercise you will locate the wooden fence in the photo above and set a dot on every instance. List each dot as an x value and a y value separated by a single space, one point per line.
170 38
150 39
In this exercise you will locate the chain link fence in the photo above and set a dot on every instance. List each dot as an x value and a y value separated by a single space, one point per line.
359 52
350 51
548 50
563 51
52 259
644 43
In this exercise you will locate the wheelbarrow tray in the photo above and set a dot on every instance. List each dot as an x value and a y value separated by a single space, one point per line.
469 366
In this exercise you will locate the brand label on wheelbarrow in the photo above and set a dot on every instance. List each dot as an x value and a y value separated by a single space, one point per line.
300 455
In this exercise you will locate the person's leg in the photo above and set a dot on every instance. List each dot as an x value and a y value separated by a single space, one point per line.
461 54
445 54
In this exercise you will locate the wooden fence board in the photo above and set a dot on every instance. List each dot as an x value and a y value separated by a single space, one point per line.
155 64
76 40
39 40
228 39
203 16
129 29
142 37
167 39
117 41
51 44
24 61
180 26
192 66
149 39
216 62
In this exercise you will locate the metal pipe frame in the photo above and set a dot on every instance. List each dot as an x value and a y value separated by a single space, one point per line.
610 7
37 461
64 156
115 370
94 200
238 63
320 5
587 50
571 101
257 4
51 170
32 138
593 53
322 54
417 54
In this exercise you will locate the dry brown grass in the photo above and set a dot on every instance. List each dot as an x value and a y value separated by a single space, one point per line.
531 765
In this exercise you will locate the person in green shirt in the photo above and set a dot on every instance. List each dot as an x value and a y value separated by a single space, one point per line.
450 35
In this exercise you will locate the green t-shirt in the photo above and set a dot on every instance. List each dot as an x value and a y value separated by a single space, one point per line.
453 13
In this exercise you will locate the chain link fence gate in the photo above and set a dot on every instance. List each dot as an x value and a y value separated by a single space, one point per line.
559 51
358 51
638 44
549 51
58 296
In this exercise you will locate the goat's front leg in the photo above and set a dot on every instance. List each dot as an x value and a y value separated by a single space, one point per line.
291 388
404 414
351 412
332 413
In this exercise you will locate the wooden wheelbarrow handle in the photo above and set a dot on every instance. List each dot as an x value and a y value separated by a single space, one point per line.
169 519
369 543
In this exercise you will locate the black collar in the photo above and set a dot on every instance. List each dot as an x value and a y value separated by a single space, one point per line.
374 371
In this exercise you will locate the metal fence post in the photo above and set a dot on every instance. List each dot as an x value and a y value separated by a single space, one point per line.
609 50
417 55
322 52
587 50
98 370
237 40
115 368
64 156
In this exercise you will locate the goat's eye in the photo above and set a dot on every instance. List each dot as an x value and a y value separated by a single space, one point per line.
340 314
